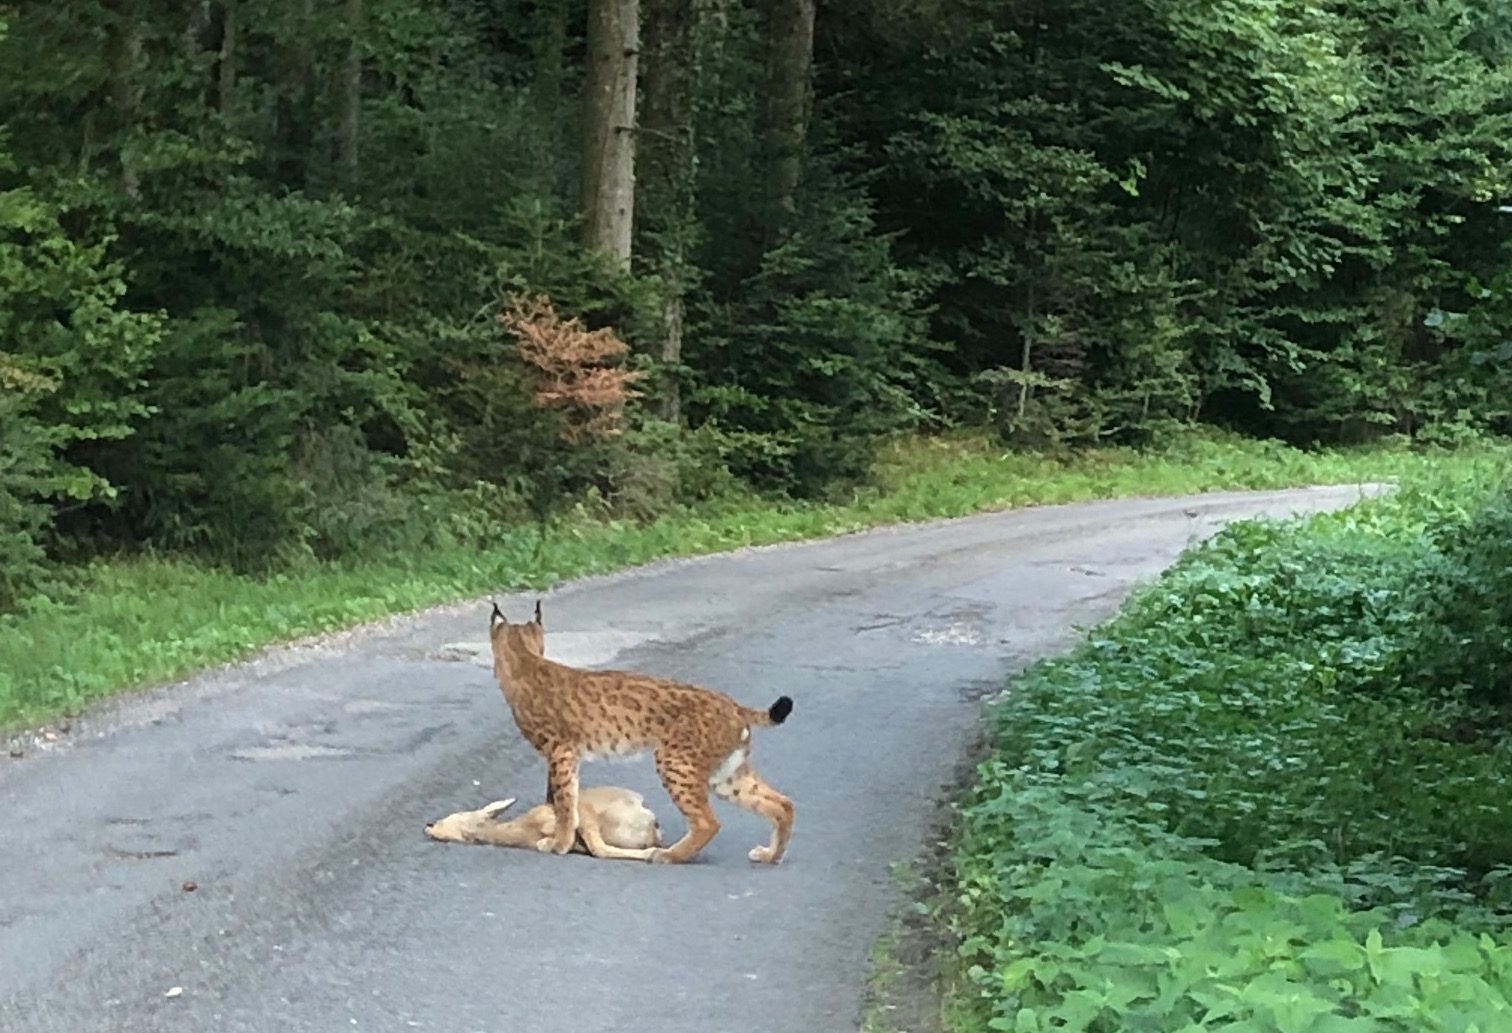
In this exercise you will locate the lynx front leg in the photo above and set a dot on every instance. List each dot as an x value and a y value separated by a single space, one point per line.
750 790
689 789
563 785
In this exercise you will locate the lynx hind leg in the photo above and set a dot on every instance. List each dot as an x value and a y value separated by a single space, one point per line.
563 771
689 789
749 790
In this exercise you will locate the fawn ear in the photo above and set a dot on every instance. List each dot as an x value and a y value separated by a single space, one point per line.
497 808
538 611
497 618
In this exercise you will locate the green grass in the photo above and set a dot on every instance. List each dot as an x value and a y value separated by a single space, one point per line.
144 620
1274 794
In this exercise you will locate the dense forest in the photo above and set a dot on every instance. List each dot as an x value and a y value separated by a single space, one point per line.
282 279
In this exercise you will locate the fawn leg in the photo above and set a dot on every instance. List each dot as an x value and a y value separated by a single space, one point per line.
594 841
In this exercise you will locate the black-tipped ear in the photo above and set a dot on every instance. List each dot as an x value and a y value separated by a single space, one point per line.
538 611
497 618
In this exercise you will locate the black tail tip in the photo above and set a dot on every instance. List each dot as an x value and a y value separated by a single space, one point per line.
780 710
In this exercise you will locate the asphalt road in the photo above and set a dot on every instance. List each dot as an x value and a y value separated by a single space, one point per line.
292 791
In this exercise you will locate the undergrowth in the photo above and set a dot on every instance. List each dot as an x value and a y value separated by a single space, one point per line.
147 619
1275 794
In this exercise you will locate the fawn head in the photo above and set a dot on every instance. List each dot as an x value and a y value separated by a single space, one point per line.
466 826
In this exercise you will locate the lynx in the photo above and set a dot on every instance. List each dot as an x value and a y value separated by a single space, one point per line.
613 823
701 740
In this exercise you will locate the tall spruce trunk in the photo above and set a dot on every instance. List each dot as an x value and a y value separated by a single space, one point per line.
226 73
294 105
790 59
609 126
125 57
549 31
665 159
350 130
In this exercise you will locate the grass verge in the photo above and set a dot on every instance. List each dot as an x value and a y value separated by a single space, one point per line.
144 620
1273 796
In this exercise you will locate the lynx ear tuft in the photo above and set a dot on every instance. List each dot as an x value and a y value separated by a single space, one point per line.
497 618
538 611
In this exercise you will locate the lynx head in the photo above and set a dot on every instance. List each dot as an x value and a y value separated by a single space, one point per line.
529 637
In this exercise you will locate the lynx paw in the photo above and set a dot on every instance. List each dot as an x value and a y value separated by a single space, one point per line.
549 845
763 855
660 856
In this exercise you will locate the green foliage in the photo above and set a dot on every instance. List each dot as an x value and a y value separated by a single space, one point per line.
1139 210
25 455
804 349
1463 627
247 299
134 620
1092 922
498 435
811 365
71 364
1252 797
69 343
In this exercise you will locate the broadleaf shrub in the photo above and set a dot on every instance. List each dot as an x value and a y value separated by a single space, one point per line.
1465 635
1274 794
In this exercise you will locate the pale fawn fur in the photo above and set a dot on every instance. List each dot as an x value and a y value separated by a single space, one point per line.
700 739
613 823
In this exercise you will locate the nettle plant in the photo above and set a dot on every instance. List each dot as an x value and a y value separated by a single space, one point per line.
1272 795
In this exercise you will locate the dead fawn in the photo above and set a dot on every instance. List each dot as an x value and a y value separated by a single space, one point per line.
701 740
613 823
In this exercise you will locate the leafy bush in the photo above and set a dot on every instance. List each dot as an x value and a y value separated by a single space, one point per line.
71 361
1464 640
25 455
1251 799
658 467
811 364
1074 919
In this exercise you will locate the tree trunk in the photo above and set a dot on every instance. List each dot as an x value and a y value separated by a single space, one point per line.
1026 362
790 59
549 135
226 93
608 127
125 56
550 34
197 30
351 98
294 106
665 158
671 353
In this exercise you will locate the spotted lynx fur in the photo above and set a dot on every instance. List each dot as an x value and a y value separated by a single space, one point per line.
701 740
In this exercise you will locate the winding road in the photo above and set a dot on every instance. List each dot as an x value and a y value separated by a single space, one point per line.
253 838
